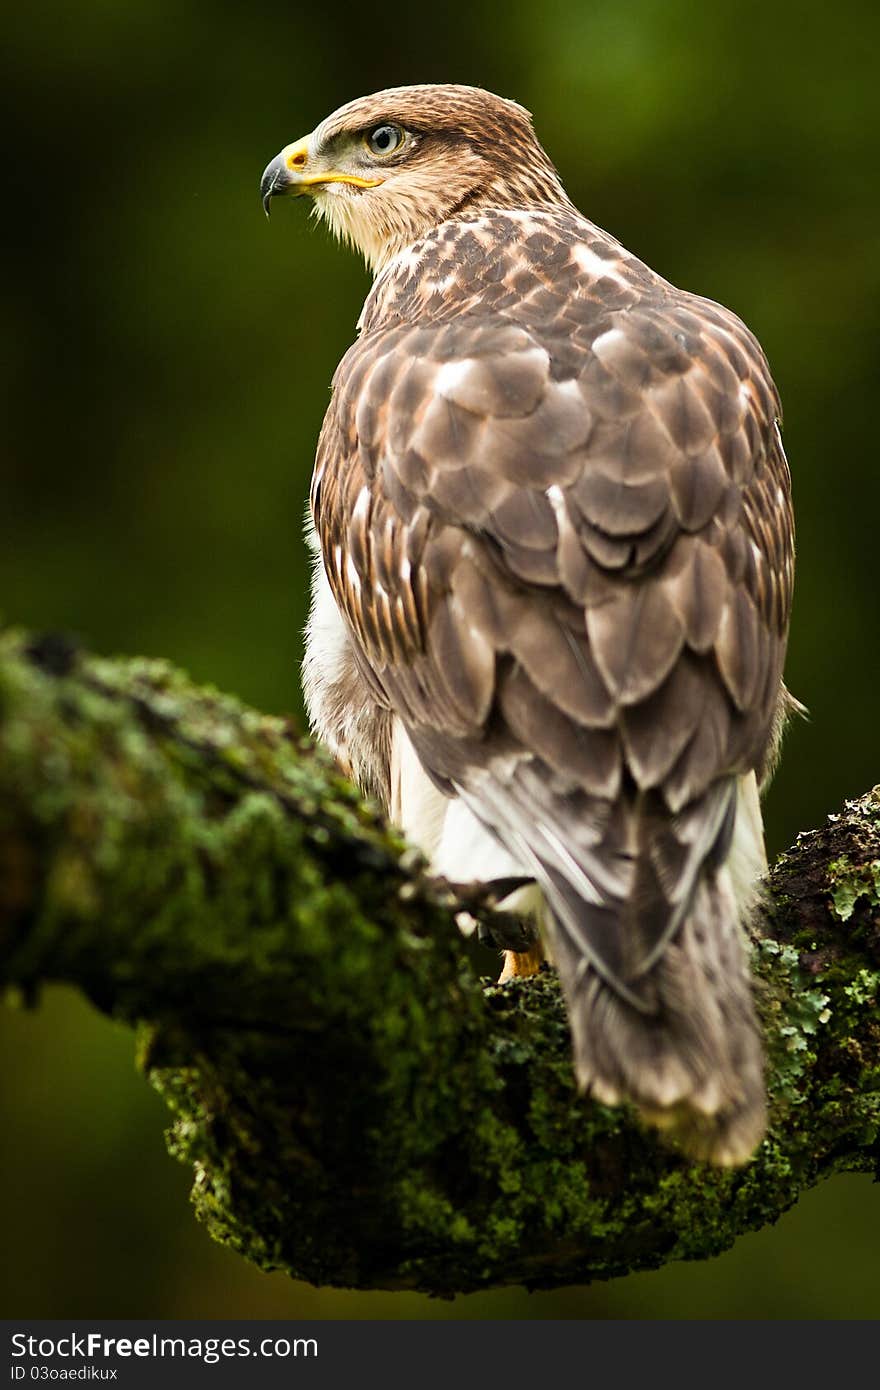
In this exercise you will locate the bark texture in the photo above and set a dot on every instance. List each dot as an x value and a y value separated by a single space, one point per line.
358 1107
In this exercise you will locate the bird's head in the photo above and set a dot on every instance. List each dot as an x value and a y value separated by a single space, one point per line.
385 169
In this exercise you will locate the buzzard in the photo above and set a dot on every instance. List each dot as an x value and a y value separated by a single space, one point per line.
552 584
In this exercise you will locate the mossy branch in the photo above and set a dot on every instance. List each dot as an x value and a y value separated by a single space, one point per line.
358 1107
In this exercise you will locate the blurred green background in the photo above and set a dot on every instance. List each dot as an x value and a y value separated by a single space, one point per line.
168 361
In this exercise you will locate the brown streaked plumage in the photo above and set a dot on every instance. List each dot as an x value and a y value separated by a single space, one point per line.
552 603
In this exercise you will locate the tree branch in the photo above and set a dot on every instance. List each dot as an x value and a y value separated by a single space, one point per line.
357 1106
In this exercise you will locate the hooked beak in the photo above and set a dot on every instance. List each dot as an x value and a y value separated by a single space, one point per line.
275 180
293 172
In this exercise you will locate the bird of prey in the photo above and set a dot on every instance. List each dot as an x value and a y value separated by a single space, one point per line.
552 584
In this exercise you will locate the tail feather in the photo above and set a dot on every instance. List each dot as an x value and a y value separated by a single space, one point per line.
642 913
694 1064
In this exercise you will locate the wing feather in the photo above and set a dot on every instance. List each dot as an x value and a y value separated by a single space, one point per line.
560 532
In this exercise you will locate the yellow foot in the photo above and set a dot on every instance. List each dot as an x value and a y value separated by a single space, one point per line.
519 963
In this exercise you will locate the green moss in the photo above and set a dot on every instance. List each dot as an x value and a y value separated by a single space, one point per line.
355 1105
796 1012
850 882
864 988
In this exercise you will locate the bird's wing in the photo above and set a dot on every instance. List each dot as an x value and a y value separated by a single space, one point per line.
564 552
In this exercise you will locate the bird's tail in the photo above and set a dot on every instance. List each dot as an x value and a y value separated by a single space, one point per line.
693 1064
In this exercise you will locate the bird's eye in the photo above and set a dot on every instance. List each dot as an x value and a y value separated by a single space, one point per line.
384 139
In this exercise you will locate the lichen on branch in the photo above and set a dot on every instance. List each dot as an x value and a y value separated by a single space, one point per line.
357 1106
